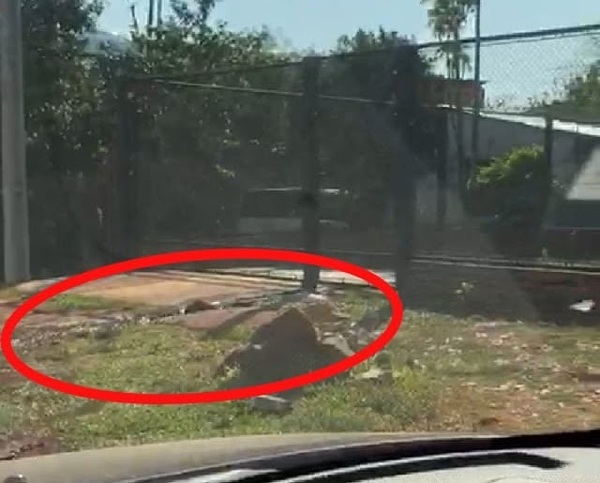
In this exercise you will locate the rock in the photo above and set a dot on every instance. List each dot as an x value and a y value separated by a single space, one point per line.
240 359
376 374
291 327
359 338
196 305
374 319
287 346
338 344
321 311
270 404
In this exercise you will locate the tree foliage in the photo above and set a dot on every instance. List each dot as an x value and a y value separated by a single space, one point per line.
204 142
358 142
580 98
447 20
195 148
60 99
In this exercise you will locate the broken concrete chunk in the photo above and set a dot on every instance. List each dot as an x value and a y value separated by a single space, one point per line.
290 327
285 347
339 344
376 374
196 305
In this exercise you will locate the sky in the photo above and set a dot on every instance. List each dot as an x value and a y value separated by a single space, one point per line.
520 70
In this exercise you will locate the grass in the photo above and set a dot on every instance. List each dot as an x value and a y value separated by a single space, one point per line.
167 358
449 375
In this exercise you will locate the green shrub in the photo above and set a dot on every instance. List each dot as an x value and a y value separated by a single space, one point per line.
514 188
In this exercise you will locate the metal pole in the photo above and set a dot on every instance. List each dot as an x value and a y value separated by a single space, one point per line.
127 174
159 9
150 23
14 177
405 88
477 81
311 171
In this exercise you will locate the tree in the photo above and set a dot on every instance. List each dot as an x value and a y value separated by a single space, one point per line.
72 121
207 143
577 97
65 133
59 99
358 140
447 20
580 99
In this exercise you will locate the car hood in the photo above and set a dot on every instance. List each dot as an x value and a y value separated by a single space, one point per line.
110 465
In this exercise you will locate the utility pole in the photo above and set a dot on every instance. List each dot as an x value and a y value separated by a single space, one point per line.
14 177
159 9
150 24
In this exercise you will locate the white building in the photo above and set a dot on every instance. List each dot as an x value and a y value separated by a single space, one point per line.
575 157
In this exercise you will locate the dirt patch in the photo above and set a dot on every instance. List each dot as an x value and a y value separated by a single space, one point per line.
9 378
21 445
165 289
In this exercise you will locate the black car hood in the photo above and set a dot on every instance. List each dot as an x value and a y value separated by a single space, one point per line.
122 463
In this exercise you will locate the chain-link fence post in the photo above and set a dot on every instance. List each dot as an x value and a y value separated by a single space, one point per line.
549 140
126 174
405 93
441 175
310 168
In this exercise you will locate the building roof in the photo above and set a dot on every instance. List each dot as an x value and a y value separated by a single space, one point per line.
586 129
540 122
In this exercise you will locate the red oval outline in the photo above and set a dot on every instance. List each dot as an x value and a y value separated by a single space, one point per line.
194 256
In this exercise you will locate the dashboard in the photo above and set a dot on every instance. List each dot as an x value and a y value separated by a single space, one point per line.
555 465
346 457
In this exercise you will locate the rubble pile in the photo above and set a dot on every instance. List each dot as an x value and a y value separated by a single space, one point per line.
301 337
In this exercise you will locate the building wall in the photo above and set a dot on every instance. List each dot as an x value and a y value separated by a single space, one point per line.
571 153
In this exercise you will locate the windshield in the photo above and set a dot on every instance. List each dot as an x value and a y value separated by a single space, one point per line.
460 165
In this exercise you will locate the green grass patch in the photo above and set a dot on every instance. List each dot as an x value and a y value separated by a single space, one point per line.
172 359
449 373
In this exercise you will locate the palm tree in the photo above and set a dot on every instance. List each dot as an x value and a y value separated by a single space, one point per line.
447 20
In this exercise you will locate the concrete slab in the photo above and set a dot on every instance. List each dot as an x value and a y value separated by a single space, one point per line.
169 287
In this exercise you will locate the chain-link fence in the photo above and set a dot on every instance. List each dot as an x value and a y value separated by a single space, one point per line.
537 98
364 155
308 155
